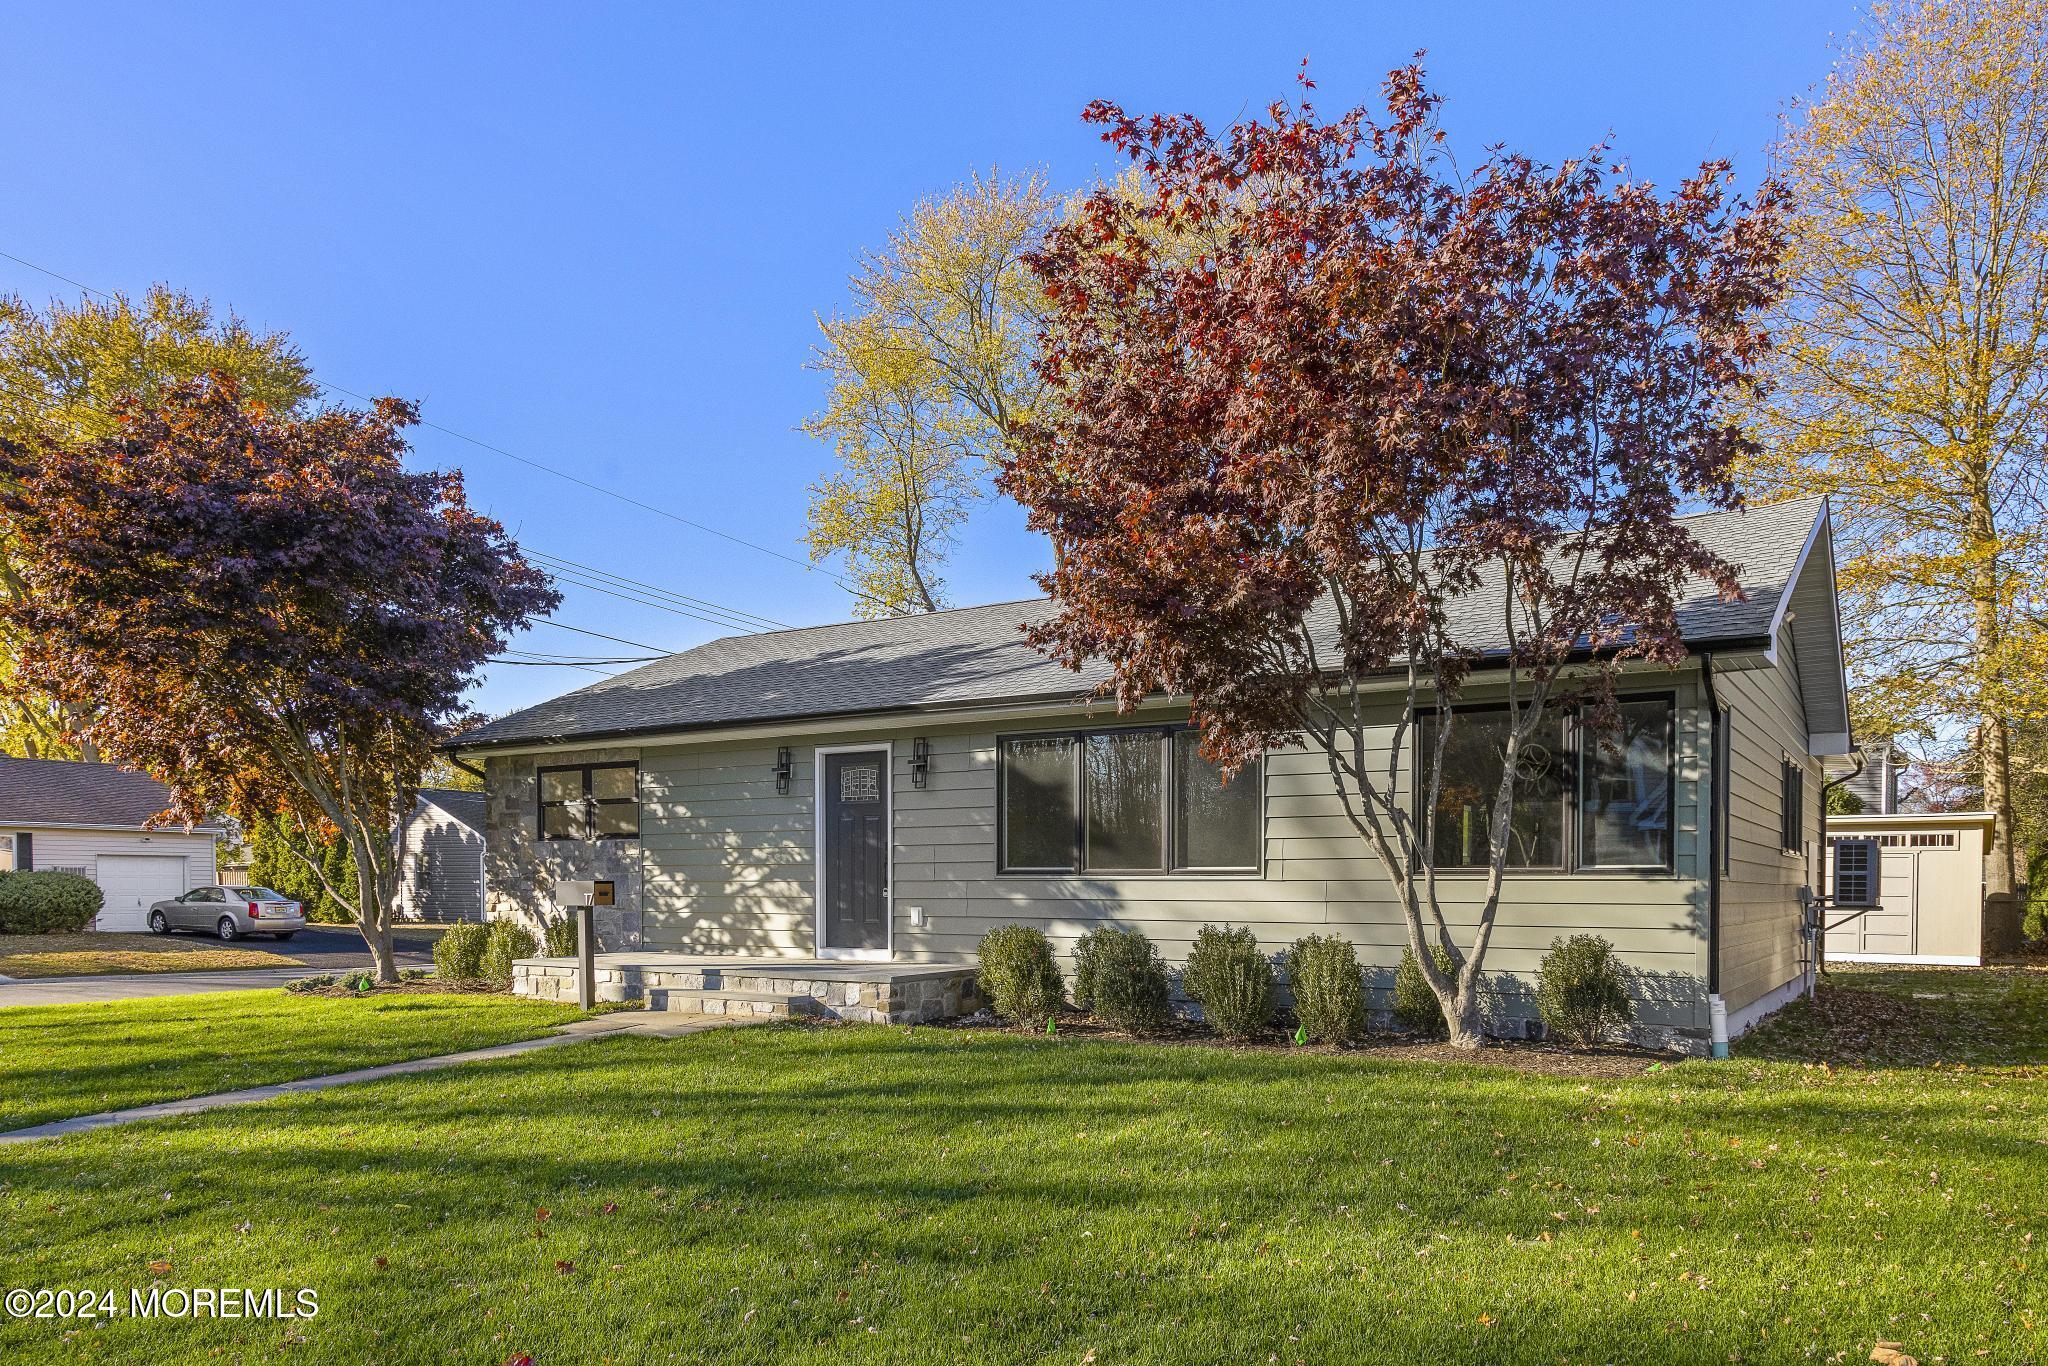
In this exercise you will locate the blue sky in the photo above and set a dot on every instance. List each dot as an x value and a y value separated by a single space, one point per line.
599 235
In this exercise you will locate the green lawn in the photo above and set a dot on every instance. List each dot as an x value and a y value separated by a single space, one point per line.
884 1195
59 1061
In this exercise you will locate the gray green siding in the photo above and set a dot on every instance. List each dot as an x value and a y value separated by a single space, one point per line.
726 864
729 866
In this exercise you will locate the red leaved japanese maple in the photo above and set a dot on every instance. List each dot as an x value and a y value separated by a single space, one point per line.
1319 398
272 616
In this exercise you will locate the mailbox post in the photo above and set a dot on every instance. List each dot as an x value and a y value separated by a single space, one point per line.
580 897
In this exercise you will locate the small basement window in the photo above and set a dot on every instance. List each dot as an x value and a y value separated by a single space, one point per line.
590 801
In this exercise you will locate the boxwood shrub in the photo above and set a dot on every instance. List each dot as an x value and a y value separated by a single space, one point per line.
1119 975
459 953
506 941
1329 987
1231 979
1018 974
1581 991
47 903
560 937
1415 1005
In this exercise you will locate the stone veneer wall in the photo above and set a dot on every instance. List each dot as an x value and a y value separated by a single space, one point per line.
886 996
520 868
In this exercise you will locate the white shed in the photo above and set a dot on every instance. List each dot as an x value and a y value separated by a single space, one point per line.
93 820
1932 890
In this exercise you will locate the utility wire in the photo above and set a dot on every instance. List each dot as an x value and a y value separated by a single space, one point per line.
562 576
806 565
649 597
584 631
768 622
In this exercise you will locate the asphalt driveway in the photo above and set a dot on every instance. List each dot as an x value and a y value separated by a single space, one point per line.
322 948
327 948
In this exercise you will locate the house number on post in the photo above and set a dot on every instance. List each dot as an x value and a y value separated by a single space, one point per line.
581 896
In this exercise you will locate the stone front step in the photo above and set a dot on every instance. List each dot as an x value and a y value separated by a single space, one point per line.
736 1004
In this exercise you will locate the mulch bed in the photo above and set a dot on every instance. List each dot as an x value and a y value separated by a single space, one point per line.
1545 1059
426 986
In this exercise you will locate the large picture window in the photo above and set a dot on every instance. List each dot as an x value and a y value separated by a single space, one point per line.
1625 789
1125 801
1586 796
1462 822
590 801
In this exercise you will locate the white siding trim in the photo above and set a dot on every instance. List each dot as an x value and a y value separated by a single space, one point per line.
1933 960
1792 580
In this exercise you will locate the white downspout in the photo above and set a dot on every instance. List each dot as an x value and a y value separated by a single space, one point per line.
1717 1023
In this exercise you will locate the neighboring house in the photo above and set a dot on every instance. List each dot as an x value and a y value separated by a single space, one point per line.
892 789
93 819
441 858
1876 783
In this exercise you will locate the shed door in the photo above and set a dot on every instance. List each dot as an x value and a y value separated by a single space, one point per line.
1889 928
131 883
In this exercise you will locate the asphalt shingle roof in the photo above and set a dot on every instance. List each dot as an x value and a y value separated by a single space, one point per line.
63 792
977 655
467 807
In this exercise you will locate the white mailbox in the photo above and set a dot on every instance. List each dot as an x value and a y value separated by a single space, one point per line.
570 893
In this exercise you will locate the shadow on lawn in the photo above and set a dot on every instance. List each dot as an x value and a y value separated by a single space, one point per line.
803 1124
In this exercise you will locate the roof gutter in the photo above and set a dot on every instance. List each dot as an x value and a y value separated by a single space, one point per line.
32 823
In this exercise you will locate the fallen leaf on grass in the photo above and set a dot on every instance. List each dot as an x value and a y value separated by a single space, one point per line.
566 1268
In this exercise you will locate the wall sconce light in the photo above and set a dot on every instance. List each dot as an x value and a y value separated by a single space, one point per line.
920 760
782 770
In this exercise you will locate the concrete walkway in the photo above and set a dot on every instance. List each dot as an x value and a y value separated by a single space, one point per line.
652 1024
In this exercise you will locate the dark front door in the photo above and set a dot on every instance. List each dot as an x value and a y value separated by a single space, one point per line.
856 876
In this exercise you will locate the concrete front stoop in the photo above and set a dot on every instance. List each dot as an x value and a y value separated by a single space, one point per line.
764 988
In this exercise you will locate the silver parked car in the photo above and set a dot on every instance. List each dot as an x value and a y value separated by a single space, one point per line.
230 912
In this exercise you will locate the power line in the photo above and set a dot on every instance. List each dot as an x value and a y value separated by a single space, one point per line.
805 565
584 631
626 595
769 622
729 617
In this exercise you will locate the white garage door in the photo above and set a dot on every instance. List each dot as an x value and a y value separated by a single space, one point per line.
131 883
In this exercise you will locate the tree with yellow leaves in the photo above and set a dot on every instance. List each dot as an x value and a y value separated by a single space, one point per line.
1911 372
932 373
63 368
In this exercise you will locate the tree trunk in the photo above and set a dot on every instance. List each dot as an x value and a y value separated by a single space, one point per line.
1461 1019
373 907
382 959
1993 742
2000 870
